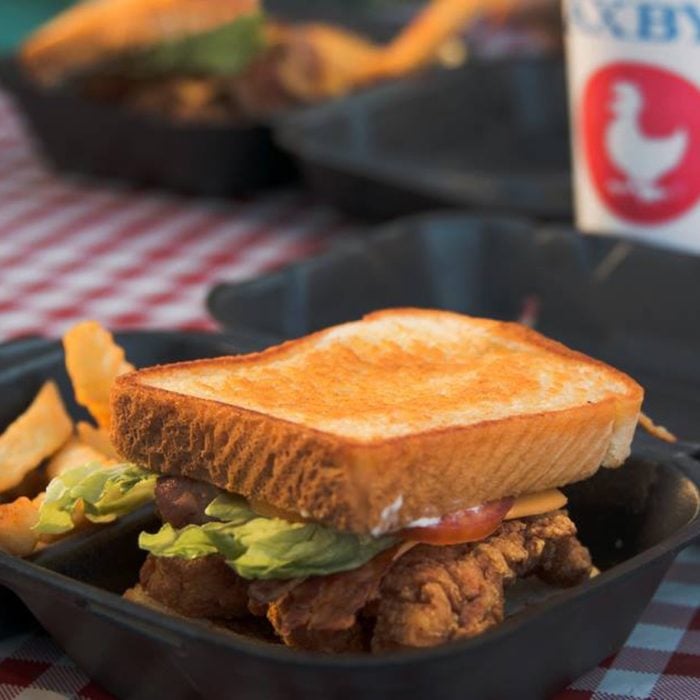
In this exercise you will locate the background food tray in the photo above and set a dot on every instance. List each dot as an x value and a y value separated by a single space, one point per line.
632 305
490 135
101 139
108 140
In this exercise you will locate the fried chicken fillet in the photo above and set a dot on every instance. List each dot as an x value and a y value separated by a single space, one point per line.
428 596
438 594
407 597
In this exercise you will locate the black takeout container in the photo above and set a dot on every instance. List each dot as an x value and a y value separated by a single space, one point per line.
634 519
106 140
489 136
632 305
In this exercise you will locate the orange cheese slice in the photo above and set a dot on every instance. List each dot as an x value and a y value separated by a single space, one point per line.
536 504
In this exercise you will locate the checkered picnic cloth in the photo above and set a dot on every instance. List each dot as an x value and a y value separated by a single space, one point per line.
71 250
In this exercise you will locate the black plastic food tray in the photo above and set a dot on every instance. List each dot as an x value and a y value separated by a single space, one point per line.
83 136
488 136
632 305
634 519
93 138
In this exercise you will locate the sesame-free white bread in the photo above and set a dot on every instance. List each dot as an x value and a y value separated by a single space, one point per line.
369 426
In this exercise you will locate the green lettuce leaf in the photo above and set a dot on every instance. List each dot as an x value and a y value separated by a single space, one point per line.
231 509
225 50
105 492
264 548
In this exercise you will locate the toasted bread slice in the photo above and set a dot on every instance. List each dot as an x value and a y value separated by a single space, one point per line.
97 30
372 425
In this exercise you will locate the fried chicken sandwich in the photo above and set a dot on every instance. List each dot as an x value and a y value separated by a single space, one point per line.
374 486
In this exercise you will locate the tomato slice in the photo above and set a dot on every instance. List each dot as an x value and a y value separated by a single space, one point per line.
469 525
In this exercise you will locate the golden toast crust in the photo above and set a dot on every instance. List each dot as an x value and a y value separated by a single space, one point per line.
380 484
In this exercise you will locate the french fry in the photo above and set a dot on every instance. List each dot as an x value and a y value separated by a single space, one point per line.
74 453
657 431
93 361
34 436
320 61
420 42
97 438
45 430
16 522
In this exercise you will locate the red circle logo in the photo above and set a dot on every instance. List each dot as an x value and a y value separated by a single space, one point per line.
641 137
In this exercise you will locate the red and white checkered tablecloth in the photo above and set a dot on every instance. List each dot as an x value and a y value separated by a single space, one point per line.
71 250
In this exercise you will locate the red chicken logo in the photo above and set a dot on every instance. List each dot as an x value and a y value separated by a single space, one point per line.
641 136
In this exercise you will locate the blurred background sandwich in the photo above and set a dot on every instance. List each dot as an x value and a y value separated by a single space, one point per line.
218 59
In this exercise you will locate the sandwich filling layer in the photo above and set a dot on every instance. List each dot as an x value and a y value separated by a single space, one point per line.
408 595
260 547
254 539
259 542
320 589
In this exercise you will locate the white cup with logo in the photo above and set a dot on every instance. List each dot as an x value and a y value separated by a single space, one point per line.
634 95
